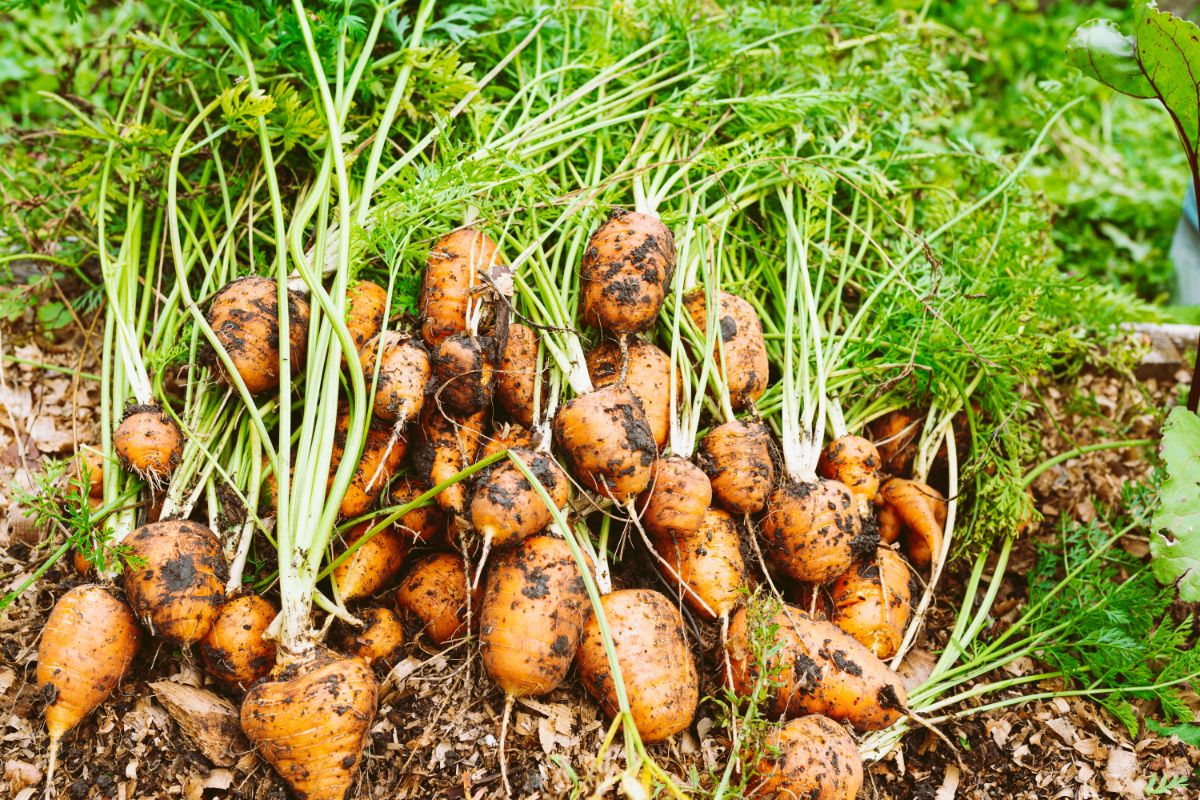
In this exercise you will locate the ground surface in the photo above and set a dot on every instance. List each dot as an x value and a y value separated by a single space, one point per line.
435 735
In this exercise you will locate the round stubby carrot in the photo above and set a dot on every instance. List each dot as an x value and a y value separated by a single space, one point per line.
310 721
736 456
464 373
88 643
816 668
435 593
178 586
813 531
379 642
449 444
506 508
505 437
708 561
817 759
516 375
648 376
367 309
677 499
655 661
235 649
244 315
922 513
854 462
373 565
424 525
607 441
382 453
149 444
451 275
895 435
871 602
404 371
626 268
745 351
89 462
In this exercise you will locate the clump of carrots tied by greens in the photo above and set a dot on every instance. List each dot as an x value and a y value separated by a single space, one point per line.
562 331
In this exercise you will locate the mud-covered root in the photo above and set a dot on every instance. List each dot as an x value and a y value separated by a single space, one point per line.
244 315
380 640
506 437
516 374
374 564
921 511
895 436
607 442
449 444
677 499
177 587
625 272
453 275
404 372
425 525
236 649
506 508
708 562
736 456
310 721
854 462
464 371
88 643
817 668
813 531
655 660
872 602
383 451
813 758
367 308
149 443
434 594
647 375
745 351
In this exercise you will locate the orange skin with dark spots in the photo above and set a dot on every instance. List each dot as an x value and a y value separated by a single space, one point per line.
373 565
452 274
677 499
463 373
450 444
895 435
708 560
648 376
367 309
435 593
149 443
921 510
607 442
235 649
872 602
382 453
404 371
505 507
736 456
505 437
91 463
746 369
815 758
812 530
379 641
516 375
424 525
244 315
178 587
625 272
854 462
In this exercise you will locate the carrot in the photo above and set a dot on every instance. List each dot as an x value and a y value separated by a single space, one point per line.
89 463
516 376
816 668
373 565
813 531
677 500
149 444
424 525
236 649
464 373
435 593
366 310
921 510
404 370
854 462
814 758
741 344
449 445
310 721
382 453
88 643
871 602
177 587
648 376
506 508
626 268
895 435
244 315
506 437
736 456
379 642
607 441
452 275
655 661
888 521
708 561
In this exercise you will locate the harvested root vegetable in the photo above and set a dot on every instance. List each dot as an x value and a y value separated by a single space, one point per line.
505 438
677 499
708 561
178 586
648 376
464 373
607 441
382 453
745 351
816 668
506 508
149 444
813 531
310 721
404 370
373 565
236 649
380 640
453 273
435 593
449 445
816 759
245 318
516 375
625 272
424 525
854 462
921 510
871 602
655 661
367 309
736 456
88 643
888 521
895 435
90 463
